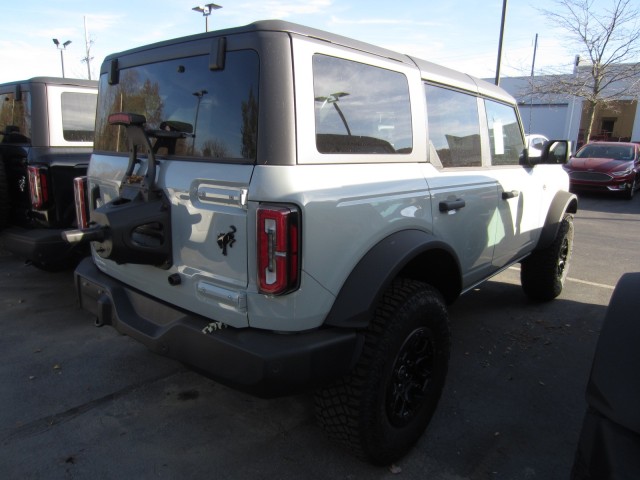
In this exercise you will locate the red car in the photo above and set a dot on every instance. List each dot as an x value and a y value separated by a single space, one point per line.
606 166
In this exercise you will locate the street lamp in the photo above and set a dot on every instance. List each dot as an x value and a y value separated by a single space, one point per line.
205 10
199 94
61 48
333 98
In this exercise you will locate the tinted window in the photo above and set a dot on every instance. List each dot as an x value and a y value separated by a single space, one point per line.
15 118
360 108
504 134
454 130
211 114
78 116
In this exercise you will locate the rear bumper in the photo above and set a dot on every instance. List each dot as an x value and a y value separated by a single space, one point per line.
42 245
259 362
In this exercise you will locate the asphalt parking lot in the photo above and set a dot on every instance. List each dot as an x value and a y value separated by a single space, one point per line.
81 402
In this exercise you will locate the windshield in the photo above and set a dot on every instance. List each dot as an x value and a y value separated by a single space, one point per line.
615 152
212 114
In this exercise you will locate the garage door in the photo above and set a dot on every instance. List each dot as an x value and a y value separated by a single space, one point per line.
546 119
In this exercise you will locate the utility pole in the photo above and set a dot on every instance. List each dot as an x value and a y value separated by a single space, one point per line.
533 66
504 14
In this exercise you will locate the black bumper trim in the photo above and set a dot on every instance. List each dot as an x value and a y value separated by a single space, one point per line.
43 245
259 362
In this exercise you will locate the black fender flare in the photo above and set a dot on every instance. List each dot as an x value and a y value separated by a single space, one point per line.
355 303
564 202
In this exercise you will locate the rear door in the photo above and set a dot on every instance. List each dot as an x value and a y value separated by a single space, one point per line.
464 196
204 168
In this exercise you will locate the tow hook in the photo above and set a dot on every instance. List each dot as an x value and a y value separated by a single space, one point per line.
95 233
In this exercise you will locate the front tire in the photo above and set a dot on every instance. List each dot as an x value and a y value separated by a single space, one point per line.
383 406
544 272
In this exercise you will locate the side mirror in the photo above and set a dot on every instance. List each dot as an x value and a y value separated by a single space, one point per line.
553 152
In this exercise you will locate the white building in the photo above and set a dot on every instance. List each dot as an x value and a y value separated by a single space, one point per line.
564 117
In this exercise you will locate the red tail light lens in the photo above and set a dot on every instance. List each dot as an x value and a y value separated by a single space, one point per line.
80 196
38 186
278 245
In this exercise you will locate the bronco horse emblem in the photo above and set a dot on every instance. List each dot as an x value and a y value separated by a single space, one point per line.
227 240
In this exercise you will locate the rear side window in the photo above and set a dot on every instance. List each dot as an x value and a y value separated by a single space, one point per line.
15 118
505 135
212 114
454 129
78 116
360 108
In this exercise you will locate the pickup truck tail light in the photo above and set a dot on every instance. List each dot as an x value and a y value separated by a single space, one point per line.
38 186
278 249
80 196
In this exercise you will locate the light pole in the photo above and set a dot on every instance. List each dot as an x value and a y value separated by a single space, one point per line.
205 10
333 98
199 94
62 49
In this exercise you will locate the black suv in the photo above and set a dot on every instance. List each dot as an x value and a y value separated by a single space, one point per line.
46 139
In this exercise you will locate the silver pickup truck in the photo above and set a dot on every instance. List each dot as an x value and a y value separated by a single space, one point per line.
284 209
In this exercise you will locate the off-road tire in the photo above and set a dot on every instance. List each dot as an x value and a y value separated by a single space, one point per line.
384 405
5 207
544 272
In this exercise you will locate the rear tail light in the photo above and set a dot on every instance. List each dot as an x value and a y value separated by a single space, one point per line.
278 249
80 195
38 186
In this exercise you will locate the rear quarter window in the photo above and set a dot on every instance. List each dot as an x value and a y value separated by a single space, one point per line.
360 108
78 116
15 118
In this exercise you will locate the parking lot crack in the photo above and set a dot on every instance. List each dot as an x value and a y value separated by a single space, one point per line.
43 424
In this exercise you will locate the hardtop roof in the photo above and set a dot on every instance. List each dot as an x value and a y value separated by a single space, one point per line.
429 71
76 82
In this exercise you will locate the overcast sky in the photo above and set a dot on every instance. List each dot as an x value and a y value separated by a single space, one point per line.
461 34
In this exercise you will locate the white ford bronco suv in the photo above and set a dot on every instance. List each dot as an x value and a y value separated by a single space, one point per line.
283 208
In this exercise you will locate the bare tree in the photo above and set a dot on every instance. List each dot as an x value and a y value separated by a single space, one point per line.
88 43
608 41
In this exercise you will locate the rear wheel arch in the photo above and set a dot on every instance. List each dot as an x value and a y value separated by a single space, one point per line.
412 254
